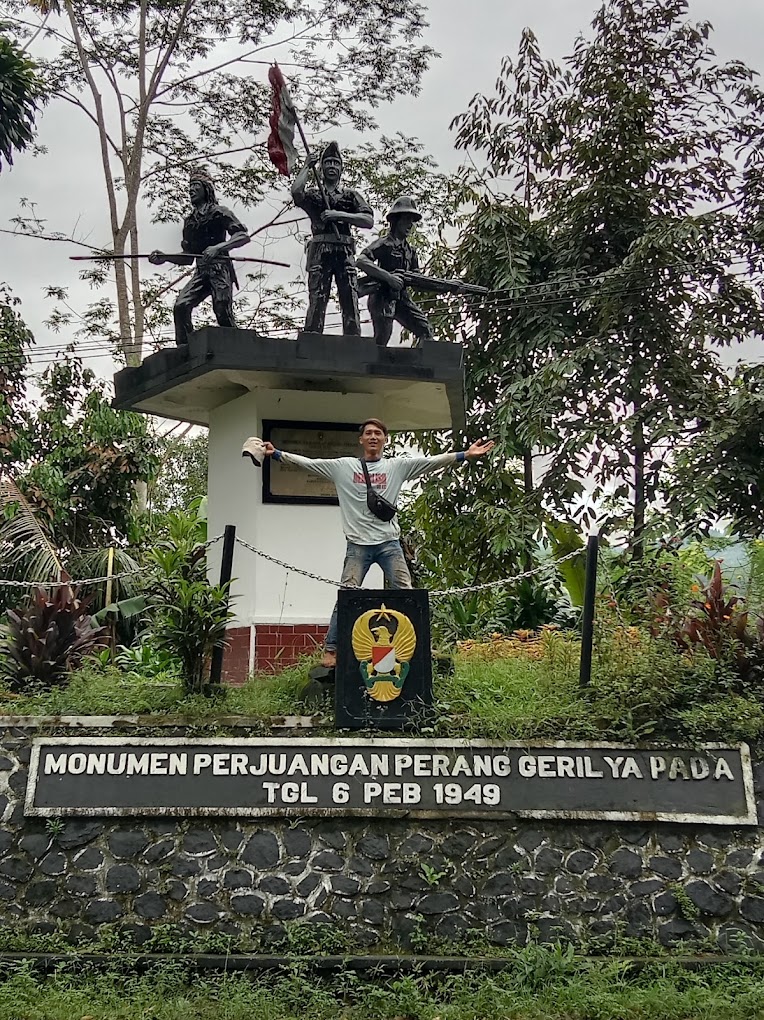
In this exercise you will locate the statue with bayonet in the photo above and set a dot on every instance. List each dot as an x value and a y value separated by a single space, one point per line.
210 232
391 266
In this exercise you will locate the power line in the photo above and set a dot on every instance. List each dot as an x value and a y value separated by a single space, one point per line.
597 287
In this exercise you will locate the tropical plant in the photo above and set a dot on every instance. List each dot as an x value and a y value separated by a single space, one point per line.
189 621
717 620
48 636
71 472
188 615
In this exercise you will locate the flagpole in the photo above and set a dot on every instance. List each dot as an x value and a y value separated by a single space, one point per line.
318 178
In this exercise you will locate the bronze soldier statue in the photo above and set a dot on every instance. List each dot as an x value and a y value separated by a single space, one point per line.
392 266
205 231
331 250
383 261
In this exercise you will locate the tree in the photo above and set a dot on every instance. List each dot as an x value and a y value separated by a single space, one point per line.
165 84
68 488
720 471
182 474
20 92
15 340
649 151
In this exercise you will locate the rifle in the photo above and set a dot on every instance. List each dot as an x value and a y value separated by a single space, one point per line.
174 255
418 281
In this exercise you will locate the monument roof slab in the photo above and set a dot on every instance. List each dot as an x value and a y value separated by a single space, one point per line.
412 388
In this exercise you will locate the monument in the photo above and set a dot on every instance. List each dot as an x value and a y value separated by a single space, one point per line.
307 394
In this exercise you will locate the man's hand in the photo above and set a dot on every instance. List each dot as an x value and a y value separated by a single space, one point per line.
209 254
332 216
269 448
395 282
479 449
156 258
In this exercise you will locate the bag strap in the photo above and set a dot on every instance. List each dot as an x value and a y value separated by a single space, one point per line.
368 477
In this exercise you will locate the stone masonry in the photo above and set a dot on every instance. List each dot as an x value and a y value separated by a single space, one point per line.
382 882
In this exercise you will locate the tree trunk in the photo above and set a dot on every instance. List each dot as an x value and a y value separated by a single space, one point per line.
638 452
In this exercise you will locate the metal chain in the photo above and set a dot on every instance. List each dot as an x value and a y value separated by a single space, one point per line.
433 594
91 580
287 566
508 580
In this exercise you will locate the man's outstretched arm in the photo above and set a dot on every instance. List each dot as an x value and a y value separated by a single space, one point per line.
318 466
415 467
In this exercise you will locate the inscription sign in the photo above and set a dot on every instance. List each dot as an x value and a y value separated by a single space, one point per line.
385 776
285 483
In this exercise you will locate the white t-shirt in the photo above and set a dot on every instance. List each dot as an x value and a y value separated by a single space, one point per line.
387 477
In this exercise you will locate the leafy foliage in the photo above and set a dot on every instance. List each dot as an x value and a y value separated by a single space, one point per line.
720 472
181 476
20 91
642 210
74 490
49 636
189 615
15 341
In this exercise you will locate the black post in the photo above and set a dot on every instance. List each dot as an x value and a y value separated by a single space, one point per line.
226 566
587 623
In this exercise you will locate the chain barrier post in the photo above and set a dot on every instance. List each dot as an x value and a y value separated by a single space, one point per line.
226 566
587 622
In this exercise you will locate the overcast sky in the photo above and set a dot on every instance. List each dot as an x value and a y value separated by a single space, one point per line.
472 37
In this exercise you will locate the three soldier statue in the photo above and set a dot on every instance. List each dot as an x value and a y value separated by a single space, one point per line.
389 264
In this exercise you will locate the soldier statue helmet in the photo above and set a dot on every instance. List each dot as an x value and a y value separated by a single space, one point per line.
404 204
383 262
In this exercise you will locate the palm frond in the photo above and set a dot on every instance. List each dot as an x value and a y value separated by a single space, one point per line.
25 545
95 563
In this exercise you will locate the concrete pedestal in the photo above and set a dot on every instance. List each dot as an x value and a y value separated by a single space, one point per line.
233 380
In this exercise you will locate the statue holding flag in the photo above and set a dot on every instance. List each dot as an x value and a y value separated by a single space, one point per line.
333 210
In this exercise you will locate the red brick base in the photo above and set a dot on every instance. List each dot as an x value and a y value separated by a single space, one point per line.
276 646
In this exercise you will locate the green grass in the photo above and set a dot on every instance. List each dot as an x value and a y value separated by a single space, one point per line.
107 690
641 688
543 985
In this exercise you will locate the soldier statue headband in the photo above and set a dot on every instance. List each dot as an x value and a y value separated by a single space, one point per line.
202 177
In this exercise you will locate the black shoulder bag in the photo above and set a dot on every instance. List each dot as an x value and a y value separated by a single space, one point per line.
378 505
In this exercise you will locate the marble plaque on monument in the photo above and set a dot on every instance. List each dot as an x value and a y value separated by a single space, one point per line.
285 483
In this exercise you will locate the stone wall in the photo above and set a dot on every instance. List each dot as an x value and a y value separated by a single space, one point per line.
383 882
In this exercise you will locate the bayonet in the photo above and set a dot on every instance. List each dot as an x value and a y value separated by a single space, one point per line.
107 257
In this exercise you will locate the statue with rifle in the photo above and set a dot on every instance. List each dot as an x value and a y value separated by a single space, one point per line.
391 266
210 232
332 209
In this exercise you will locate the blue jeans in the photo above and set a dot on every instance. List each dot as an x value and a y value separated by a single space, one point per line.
358 560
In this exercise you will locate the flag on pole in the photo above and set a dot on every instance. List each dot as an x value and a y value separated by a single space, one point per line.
282 120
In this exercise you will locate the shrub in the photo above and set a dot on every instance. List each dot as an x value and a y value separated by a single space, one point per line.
49 636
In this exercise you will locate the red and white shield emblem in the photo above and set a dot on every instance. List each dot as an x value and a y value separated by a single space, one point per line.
383 658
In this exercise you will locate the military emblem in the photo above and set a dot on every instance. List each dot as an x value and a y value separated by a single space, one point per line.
383 642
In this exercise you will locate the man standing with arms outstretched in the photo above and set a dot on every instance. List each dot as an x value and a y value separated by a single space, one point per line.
371 539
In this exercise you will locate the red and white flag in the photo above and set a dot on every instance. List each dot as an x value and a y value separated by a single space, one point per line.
283 119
